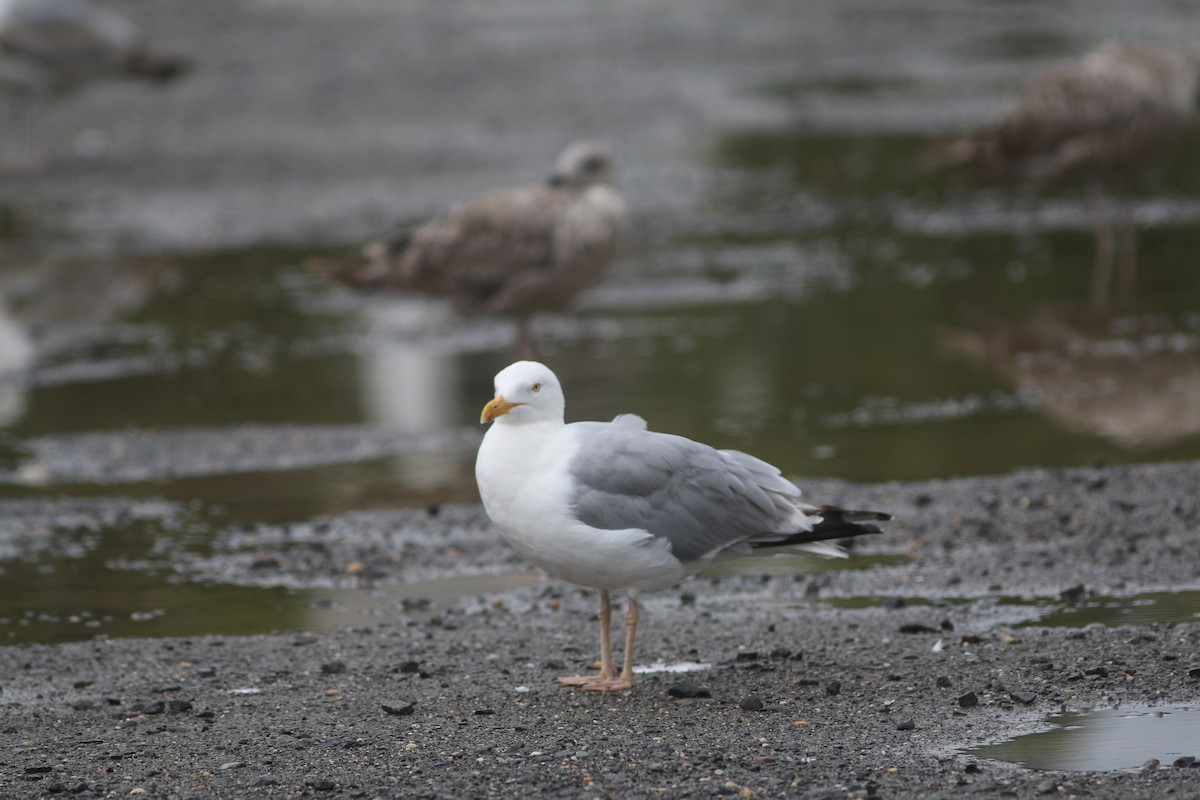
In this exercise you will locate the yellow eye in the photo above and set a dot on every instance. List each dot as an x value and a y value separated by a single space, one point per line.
537 387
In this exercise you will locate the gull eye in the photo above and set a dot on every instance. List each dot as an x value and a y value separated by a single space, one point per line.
537 387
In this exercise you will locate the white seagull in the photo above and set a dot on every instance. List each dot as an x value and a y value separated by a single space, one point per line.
511 252
614 506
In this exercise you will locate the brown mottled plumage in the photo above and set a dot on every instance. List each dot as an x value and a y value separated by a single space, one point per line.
512 252
1102 118
56 45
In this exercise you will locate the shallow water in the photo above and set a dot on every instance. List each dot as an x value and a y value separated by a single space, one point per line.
1108 739
793 287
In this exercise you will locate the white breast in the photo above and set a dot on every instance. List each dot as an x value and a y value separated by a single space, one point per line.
527 492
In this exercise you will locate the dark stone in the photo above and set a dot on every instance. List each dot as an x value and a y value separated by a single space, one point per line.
402 709
410 667
916 627
687 599
946 625
322 785
892 603
943 682
179 706
906 725
1073 595
1184 761
54 786
485 712
39 770
751 703
688 690
206 672
968 700
554 664
747 656
1024 698
157 707
922 500
1151 765
333 668
781 652
971 768
1194 672
833 687
304 641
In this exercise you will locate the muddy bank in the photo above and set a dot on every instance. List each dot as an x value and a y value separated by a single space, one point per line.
803 697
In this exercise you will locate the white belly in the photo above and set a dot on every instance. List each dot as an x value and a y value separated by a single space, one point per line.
526 492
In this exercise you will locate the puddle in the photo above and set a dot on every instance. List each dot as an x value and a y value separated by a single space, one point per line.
802 565
1111 739
143 604
1140 609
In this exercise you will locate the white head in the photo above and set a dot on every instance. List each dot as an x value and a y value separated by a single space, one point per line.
582 164
526 391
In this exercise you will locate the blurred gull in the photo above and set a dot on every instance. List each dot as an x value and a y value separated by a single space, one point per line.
613 506
54 46
510 252
1102 118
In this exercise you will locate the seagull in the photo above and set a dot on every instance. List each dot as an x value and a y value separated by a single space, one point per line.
511 252
60 44
1101 118
616 507
55 46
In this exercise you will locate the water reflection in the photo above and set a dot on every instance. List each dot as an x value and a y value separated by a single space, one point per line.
1111 739
1132 378
408 383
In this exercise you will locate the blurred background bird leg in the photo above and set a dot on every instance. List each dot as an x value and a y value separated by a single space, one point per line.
1102 269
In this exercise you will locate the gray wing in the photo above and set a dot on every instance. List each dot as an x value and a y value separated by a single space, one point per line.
700 499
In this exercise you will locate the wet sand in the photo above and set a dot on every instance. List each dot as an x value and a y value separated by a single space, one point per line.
802 698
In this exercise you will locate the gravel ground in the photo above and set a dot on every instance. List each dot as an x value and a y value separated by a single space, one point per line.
460 703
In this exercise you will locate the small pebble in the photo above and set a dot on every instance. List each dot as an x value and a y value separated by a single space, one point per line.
1184 761
333 668
1047 787
943 682
906 725
1151 765
833 687
969 700
688 690
232 765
